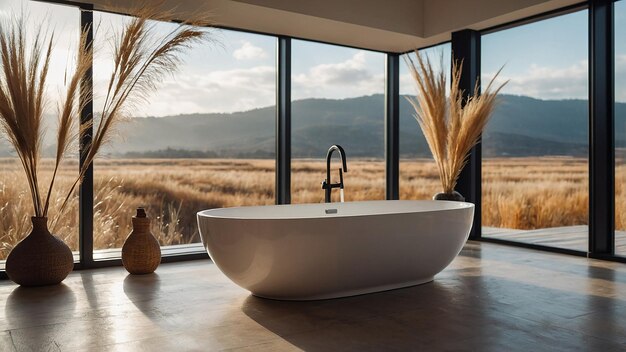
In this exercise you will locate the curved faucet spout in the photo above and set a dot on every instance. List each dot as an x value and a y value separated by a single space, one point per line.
342 155
327 185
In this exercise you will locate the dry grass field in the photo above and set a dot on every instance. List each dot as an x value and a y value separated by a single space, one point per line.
520 193
534 193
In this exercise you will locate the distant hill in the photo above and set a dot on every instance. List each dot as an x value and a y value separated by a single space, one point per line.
521 126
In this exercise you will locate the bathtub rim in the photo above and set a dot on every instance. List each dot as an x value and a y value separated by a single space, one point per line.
206 213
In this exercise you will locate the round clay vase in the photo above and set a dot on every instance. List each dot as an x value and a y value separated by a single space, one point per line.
455 196
141 253
39 259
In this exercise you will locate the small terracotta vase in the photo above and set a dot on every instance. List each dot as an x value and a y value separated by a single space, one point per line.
455 196
141 253
39 259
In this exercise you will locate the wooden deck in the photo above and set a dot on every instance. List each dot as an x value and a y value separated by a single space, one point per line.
569 237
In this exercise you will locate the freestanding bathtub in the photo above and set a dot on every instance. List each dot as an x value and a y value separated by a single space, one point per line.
320 251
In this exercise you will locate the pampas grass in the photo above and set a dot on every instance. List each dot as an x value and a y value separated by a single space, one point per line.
23 100
451 124
142 56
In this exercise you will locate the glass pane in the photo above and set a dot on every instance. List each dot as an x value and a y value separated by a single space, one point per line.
16 206
535 148
620 128
204 140
419 178
338 98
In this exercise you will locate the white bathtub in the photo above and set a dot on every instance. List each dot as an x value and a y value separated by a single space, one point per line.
319 251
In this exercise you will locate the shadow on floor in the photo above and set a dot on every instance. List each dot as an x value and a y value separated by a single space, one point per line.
35 306
142 291
463 311
379 321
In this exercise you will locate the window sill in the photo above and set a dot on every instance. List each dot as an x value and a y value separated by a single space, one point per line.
113 256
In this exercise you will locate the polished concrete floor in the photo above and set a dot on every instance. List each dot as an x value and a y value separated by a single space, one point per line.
492 298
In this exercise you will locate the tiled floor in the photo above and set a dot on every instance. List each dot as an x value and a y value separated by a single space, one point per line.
492 298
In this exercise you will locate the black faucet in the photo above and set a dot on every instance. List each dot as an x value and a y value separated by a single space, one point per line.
327 185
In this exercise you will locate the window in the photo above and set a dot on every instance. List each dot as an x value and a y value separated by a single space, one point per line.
15 203
338 98
620 128
205 139
535 148
419 177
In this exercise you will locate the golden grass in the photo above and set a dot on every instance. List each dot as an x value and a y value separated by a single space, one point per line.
533 193
172 192
365 179
520 193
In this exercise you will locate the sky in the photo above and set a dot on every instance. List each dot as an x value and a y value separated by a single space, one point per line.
63 22
546 60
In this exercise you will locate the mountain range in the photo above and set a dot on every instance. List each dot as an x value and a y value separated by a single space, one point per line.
520 126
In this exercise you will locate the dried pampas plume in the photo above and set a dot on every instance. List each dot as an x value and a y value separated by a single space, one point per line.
451 124
142 56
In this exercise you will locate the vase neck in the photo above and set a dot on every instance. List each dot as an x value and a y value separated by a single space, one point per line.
141 224
40 225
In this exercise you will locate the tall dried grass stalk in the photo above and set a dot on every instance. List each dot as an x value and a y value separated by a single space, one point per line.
451 124
142 57
23 100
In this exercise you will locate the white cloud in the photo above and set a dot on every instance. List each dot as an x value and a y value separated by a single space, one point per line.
407 85
567 82
8 6
217 91
541 82
349 78
193 91
249 51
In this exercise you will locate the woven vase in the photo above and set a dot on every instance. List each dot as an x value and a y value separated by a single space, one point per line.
455 196
141 253
40 258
